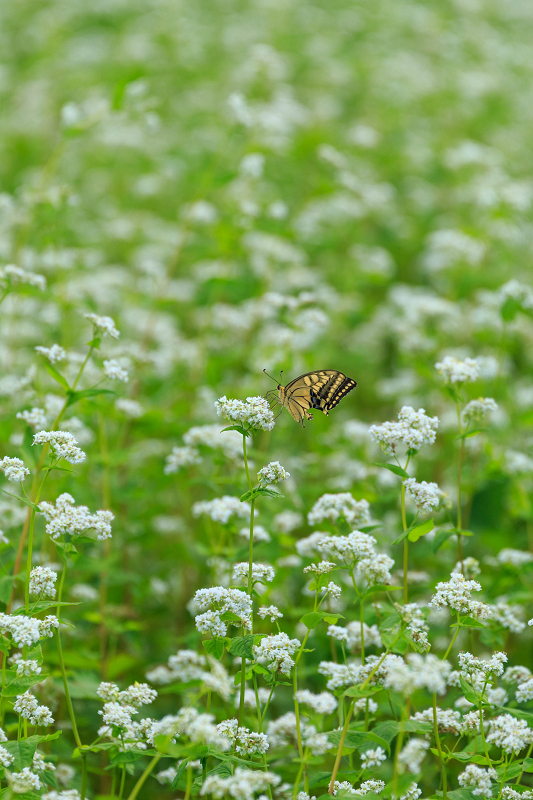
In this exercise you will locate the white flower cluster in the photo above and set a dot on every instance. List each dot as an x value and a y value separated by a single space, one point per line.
35 417
115 371
509 733
479 409
5 757
413 429
221 509
27 667
333 506
351 634
244 784
181 457
427 496
42 582
448 721
323 703
28 707
54 353
272 473
14 469
254 413
411 757
14 275
246 742
514 558
105 326
521 293
23 781
229 442
261 573
62 445
272 612
322 568
353 547
479 779
66 518
472 665
275 652
217 601
455 371
418 672
66 794
27 630
374 787
283 731
524 691
456 594
373 758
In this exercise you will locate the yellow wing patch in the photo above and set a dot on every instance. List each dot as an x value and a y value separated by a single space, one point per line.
321 390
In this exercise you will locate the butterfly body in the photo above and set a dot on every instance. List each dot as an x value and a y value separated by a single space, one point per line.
320 390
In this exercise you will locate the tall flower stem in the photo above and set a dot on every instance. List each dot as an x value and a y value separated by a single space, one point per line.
405 544
303 765
439 748
459 485
250 574
140 783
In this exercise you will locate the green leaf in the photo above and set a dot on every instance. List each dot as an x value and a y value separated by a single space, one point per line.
95 343
237 428
441 537
473 432
420 530
243 646
380 587
468 622
374 737
468 692
57 376
22 752
22 684
215 647
312 619
181 769
6 586
393 468
259 491
129 757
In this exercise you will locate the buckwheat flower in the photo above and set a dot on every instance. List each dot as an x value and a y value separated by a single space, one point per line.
36 418
23 630
339 675
23 781
39 764
478 410
411 756
14 469
65 517
322 568
272 473
470 723
117 714
376 787
244 784
509 733
275 652
448 721
479 779
507 616
13 275
181 457
42 582
514 558
455 371
347 548
138 694
333 590
427 496
376 570
305 796
3 538
469 567
524 692
342 786
287 521
254 414
104 326
351 634
166 775
361 704
517 674
419 638
65 774
413 429
246 742
323 703
332 506
54 353
221 509
508 793
456 594
62 445
260 534
249 697
471 665
496 697
229 442
27 667
373 758
130 408
5 757
272 612
413 792
219 600
48 625
517 463
114 371
261 573
28 707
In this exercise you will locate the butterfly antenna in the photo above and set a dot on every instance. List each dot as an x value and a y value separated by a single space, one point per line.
270 376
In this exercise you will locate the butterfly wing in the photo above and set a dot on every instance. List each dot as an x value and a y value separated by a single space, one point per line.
321 390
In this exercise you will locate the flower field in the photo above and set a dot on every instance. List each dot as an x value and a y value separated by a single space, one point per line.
210 588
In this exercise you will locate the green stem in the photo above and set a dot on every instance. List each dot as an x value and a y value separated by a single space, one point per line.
189 784
251 548
138 786
459 485
405 542
456 634
67 693
528 754
122 782
439 748
246 463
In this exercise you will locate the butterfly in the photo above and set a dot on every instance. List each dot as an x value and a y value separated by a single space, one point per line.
322 390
